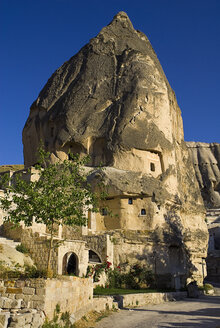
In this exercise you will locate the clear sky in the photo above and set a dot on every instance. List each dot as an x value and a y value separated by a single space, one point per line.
37 36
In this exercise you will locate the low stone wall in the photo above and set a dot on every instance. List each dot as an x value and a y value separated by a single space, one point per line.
148 298
71 293
25 303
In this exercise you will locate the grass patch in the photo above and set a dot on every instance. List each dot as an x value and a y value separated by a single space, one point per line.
92 318
22 249
122 291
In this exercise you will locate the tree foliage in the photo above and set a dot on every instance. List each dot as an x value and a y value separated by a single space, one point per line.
60 196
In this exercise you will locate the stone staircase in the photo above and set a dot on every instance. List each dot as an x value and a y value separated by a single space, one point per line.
8 242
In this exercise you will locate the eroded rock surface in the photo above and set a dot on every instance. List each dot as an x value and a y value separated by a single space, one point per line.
109 98
112 101
206 161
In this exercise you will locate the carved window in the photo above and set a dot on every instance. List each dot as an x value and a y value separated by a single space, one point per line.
130 201
143 211
152 167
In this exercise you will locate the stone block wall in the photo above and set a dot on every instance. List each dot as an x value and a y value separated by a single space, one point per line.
35 243
32 296
71 293
102 245
131 300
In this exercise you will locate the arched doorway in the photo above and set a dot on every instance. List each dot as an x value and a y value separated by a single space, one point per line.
70 264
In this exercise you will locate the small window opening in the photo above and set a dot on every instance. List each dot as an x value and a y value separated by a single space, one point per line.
130 201
51 131
152 167
143 211
104 211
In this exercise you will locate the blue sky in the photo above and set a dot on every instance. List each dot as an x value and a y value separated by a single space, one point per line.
37 36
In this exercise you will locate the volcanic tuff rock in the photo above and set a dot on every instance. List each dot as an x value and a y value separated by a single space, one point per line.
112 101
206 161
110 97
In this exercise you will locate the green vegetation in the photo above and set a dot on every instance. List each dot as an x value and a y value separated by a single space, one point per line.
20 272
102 316
207 288
60 196
97 270
22 249
60 320
137 277
13 167
123 291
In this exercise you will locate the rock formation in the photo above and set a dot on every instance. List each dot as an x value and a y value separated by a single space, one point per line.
112 101
206 162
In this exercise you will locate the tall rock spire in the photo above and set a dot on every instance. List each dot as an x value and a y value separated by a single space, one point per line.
112 101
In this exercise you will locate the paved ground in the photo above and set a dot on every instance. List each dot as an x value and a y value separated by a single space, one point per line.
190 313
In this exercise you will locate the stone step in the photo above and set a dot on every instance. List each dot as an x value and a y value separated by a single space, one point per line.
8 242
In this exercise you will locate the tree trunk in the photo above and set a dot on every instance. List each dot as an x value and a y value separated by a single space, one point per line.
49 269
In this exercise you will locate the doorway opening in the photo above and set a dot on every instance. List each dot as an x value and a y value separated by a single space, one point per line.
70 264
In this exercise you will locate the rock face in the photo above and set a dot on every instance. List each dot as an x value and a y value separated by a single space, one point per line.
112 101
206 161
110 98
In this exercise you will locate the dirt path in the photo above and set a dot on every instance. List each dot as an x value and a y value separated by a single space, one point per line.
190 313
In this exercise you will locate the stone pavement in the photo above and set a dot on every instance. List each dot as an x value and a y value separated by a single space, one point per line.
190 313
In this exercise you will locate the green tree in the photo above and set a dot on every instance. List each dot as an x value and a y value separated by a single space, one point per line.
61 196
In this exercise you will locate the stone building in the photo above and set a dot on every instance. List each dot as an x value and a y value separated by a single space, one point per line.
113 102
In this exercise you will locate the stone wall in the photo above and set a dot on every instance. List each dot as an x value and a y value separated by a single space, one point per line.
71 293
128 212
24 303
37 244
102 245
131 300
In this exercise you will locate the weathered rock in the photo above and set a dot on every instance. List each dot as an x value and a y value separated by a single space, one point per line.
112 101
4 316
9 257
206 162
110 98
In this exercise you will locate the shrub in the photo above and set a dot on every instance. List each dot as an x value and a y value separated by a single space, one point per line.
136 278
208 287
33 272
97 270
22 249
20 272
115 279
